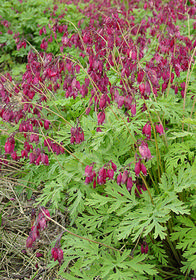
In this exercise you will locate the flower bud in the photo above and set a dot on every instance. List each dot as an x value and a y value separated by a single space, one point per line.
144 151
46 124
60 256
147 130
119 179
94 183
110 173
114 167
143 169
129 184
124 177
101 117
137 168
142 88
159 129
144 248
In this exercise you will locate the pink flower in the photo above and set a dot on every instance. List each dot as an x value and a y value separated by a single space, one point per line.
159 129
143 169
101 117
142 88
102 102
133 109
144 151
110 173
124 177
39 225
144 248
57 253
94 183
88 170
114 167
147 130
129 184
46 124
33 235
98 129
140 76
54 252
138 168
9 145
38 255
119 178
14 155
77 135
101 179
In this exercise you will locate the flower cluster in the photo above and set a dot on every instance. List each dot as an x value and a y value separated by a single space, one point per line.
77 135
39 225
56 251
140 167
52 146
57 254
97 44
125 178
146 130
107 171
36 157
9 145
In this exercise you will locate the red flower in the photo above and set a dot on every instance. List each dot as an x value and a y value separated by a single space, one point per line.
137 168
57 254
114 167
143 169
159 129
147 130
110 173
101 117
124 177
144 248
129 184
119 178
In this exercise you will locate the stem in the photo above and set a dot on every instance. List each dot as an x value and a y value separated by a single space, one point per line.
167 273
156 144
49 146
169 84
124 123
70 153
174 251
49 111
153 182
187 82
186 275
132 252
144 181
81 237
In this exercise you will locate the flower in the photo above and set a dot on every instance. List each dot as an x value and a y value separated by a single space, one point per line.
144 248
159 129
144 151
138 168
147 130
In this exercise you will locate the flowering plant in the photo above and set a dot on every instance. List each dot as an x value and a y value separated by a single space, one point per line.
106 124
